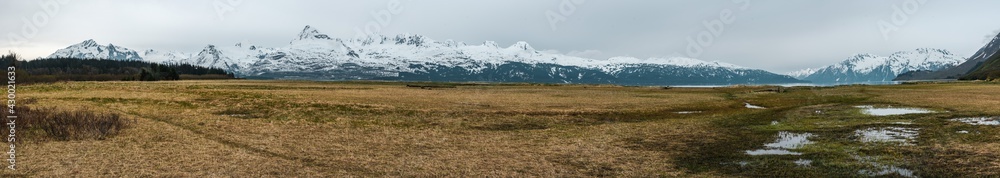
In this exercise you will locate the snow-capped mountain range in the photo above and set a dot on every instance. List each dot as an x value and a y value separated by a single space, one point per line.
317 56
91 50
864 68
972 64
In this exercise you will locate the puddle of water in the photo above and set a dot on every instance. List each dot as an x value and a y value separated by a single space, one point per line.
881 169
890 111
687 112
884 170
803 162
781 146
748 105
888 134
743 163
771 152
979 120
788 140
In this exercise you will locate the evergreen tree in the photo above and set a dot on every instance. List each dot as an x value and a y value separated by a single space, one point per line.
74 69
145 76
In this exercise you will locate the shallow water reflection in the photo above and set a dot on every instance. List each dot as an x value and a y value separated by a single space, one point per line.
748 105
781 146
687 112
881 169
872 110
979 120
803 162
888 134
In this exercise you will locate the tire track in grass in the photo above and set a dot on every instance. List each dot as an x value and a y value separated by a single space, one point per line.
305 161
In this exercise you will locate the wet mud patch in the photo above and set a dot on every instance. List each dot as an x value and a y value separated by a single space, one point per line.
823 140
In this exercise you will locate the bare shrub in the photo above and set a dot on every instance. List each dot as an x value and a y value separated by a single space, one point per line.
63 125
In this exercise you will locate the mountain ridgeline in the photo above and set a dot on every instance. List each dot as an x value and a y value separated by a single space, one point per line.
81 69
981 66
870 68
988 70
312 55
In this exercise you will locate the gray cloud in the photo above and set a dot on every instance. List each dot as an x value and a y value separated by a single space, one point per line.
775 35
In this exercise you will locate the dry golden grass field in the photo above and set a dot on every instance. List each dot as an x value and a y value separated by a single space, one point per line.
246 128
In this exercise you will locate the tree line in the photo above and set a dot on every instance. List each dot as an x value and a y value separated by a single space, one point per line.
75 69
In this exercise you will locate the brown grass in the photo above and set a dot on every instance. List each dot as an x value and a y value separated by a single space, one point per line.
206 128
247 128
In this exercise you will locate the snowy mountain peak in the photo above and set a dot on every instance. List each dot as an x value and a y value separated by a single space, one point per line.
453 43
210 53
210 57
88 43
927 55
859 57
312 33
314 55
89 49
689 62
522 45
992 45
995 39
491 44
210 49
411 40
932 50
874 68
674 61
802 73
164 57
246 45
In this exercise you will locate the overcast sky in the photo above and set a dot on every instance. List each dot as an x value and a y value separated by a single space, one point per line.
775 35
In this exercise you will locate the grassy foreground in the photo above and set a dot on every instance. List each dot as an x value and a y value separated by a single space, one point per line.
245 128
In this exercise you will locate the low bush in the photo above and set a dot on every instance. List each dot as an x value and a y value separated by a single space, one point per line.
63 125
